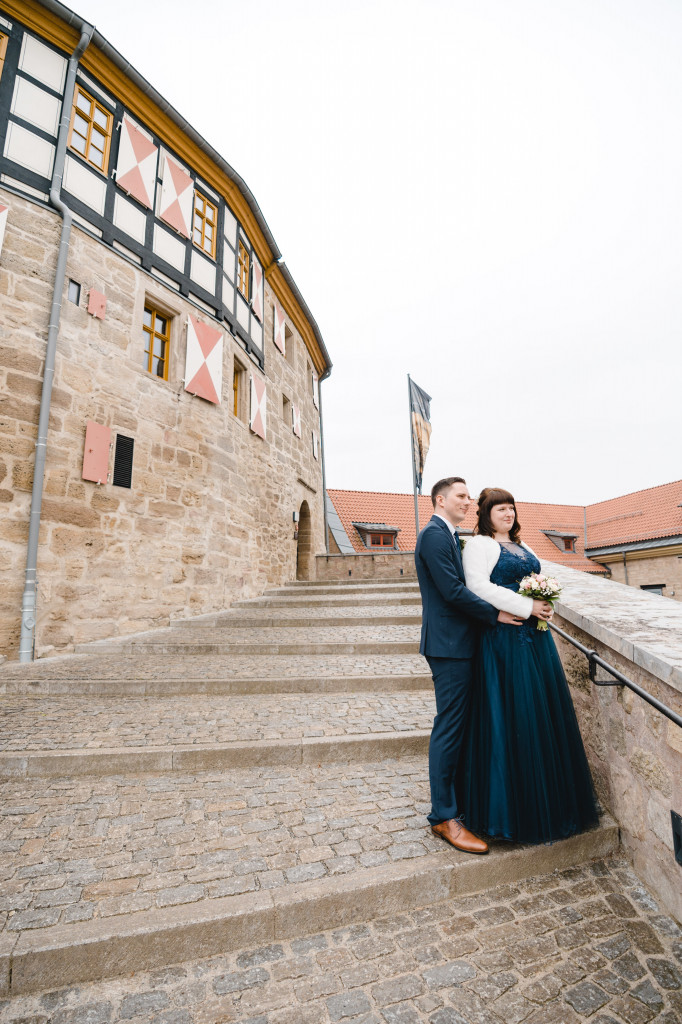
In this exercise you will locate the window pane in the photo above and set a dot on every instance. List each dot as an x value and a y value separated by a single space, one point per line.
83 103
147 317
78 143
161 324
80 125
96 158
159 347
101 118
158 367
98 140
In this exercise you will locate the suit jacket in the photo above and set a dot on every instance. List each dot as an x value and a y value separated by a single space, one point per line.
449 610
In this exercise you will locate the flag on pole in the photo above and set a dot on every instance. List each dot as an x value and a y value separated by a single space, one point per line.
420 409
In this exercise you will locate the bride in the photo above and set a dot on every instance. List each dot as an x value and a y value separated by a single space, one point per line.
525 777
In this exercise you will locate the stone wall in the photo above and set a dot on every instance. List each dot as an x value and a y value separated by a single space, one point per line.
209 517
665 569
366 566
635 752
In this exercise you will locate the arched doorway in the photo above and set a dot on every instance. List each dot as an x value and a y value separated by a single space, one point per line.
304 546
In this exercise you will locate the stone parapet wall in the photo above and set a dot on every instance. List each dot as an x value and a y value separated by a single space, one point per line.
368 566
209 516
634 751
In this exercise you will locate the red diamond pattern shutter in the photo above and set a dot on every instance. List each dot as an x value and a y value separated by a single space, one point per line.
258 409
204 360
278 329
296 420
257 299
137 159
177 197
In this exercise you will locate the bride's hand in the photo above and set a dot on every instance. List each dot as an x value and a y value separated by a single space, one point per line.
542 610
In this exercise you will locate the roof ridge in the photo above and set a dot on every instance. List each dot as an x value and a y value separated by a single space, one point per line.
629 494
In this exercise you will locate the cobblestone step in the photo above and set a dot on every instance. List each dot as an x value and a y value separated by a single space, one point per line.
228 649
327 600
343 588
585 943
128 873
391 615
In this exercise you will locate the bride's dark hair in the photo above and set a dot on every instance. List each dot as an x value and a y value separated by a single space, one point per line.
487 499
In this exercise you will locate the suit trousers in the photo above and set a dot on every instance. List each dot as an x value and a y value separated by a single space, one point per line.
452 681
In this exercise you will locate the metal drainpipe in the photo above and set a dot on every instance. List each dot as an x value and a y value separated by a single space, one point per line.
28 604
625 568
324 473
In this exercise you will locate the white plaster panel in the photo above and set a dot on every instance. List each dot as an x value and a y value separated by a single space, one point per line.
42 63
256 332
242 313
130 219
169 248
203 272
6 23
229 262
36 106
88 186
25 148
228 294
230 229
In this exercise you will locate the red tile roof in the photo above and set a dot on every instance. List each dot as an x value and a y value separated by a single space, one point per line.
398 510
643 515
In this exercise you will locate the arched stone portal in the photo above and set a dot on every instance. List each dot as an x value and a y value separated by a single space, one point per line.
304 547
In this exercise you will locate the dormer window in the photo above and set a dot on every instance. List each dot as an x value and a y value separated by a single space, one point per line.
564 541
378 536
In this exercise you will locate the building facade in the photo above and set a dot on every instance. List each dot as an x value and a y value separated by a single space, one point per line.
183 454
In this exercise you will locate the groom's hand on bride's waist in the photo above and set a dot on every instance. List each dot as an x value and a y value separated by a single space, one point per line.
509 620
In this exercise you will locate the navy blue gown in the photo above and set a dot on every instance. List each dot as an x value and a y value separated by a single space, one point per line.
525 775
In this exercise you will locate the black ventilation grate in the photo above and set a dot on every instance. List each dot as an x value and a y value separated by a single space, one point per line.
123 461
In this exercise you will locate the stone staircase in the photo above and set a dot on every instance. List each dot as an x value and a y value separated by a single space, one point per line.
231 781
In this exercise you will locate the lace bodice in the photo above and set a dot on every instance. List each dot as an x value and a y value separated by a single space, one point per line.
513 564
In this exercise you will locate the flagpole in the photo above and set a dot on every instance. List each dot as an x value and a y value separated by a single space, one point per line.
414 468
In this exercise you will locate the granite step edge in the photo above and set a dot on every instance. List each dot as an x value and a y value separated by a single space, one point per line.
148 940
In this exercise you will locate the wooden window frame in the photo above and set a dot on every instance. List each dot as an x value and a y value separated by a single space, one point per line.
244 271
207 205
95 105
381 540
150 334
4 40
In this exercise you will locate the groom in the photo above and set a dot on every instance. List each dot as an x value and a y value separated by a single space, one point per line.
449 615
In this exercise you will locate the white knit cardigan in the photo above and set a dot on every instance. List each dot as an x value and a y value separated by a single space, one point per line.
479 557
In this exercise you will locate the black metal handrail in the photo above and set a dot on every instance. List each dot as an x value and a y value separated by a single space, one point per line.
618 678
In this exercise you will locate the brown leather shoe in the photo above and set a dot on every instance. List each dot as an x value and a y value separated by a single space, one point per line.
453 832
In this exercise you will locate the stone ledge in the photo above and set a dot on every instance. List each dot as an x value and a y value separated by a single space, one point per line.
92 950
641 627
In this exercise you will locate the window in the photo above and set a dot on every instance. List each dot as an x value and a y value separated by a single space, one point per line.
286 410
74 292
123 461
381 540
289 346
244 266
156 330
654 588
239 391
90 133
3 49
205 224
569 543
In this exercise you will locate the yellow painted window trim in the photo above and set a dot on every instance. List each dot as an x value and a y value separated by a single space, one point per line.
150 333
244 268
80 91
4 39
204 207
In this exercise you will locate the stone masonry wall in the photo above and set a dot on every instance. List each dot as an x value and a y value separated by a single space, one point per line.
209 517
664 569
366 567
636 758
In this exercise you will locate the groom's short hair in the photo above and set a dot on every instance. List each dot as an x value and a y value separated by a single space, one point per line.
444 485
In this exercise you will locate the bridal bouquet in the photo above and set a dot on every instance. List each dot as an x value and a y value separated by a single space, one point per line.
540 588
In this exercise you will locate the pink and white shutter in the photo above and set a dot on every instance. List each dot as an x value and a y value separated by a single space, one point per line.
278 335
177 197
316 390
296 420
257 291
137 159
204 360
258 407
4 210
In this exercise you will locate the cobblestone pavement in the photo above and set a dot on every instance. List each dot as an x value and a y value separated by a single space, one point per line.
211 666
304 634
61 723
74 849
379 610
588 944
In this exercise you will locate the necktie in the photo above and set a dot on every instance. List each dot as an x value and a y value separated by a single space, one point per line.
457 544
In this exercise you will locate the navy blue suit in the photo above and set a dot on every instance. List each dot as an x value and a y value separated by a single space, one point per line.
448 641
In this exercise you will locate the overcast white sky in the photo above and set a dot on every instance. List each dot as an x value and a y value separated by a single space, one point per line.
486 194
